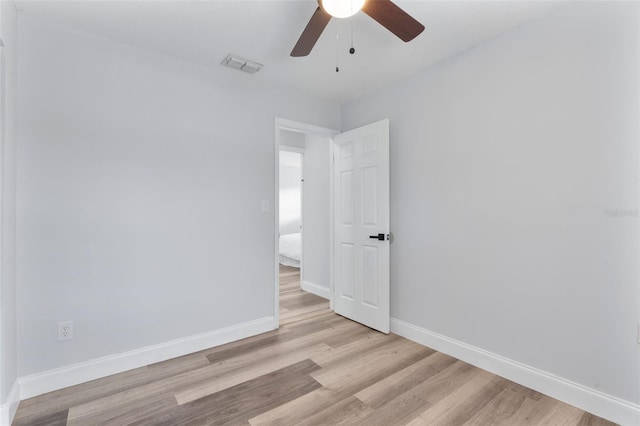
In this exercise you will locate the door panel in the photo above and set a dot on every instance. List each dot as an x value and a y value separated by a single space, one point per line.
370 276
346 198
347 273
370 196
361 191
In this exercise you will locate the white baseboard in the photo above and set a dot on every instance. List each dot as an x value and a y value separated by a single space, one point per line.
9 407
48 381
316 289
591 400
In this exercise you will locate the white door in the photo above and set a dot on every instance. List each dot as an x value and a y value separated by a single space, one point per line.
361 225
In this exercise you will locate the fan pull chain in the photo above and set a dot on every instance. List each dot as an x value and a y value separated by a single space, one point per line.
337 53
352 50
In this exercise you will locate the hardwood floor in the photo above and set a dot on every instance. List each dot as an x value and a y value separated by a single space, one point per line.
317 369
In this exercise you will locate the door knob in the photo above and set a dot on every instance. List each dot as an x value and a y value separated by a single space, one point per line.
377 237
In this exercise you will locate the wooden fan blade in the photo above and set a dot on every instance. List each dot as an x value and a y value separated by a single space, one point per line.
393 18
311 33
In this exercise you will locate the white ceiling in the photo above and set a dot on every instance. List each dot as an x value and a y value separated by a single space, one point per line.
265 31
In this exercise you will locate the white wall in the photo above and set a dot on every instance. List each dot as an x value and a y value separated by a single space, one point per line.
290 200
8 319
291 138
316 230
139 195
504 161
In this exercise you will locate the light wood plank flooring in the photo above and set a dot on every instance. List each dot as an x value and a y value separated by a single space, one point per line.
317 369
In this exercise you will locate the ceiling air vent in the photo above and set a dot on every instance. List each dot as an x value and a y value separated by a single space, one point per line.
233 61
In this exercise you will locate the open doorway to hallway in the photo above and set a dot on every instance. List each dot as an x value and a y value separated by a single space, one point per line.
303 232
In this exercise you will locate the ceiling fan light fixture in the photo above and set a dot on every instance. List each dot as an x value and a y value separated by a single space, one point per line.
342 8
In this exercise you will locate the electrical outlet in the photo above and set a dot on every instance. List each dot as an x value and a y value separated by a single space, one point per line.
65 330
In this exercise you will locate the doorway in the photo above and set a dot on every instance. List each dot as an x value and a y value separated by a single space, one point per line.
352 236
313 146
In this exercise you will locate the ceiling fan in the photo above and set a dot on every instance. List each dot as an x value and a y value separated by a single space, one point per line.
387 13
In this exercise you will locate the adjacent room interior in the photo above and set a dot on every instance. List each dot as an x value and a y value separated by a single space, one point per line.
290 208
146 190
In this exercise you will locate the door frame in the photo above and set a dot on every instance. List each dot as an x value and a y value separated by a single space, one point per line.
295 126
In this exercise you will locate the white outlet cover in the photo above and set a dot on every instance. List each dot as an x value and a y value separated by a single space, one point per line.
65 330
